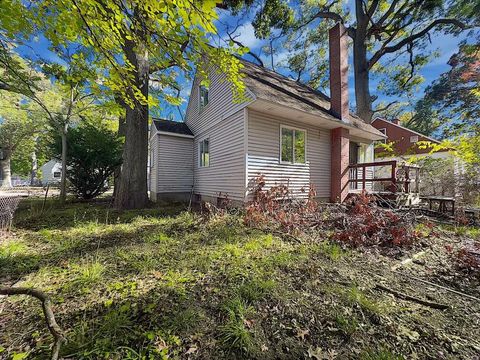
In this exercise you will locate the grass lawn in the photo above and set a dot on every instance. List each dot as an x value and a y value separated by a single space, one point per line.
165 283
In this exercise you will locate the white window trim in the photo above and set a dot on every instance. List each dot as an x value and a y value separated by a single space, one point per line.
200 106
200 153
414 136
280 153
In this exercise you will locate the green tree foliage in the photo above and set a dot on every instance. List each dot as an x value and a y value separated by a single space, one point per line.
19 122
452 102
94 154
388 40
140 43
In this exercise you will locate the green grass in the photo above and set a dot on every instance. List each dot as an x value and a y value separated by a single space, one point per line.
234 334
165 283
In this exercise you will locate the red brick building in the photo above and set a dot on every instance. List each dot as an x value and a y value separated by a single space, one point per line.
404 140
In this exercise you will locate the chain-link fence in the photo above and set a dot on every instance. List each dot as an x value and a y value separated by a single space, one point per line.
8 205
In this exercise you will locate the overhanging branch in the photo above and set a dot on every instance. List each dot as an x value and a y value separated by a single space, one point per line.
412 38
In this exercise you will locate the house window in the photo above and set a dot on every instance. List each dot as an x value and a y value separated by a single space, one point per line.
365 153
384 132
57 174
204 153
293 145
414 138
203 96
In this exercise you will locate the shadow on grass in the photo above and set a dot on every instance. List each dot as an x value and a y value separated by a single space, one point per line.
33 215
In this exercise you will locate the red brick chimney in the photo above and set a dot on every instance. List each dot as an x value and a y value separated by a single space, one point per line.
338 57
396 121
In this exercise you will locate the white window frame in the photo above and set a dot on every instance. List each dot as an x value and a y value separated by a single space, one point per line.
200 153
414 137
384 132
293 149
200 105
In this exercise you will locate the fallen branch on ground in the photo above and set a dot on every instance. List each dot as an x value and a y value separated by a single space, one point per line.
439 286
412 298
47 312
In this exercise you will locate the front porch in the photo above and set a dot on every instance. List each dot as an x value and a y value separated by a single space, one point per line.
390 181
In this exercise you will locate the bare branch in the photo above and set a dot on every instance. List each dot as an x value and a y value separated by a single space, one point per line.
412 38
236 42
377 110
52 325
387 13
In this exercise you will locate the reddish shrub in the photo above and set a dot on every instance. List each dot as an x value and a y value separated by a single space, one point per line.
468 259
277 208
365 224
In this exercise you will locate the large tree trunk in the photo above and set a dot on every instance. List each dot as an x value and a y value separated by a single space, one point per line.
63 180
360 66
6 181
132 189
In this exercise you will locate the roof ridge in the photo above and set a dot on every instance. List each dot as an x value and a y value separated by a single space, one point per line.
408 129
318 93
287 78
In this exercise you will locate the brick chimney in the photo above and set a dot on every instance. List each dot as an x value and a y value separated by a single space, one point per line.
338 57
396 121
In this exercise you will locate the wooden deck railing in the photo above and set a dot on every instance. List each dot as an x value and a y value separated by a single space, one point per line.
384 176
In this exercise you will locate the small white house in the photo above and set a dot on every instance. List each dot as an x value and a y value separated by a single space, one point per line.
51 172
285 130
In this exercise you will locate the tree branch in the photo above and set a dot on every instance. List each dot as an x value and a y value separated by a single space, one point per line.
377 110
52 325
328 15
172 63
411 38
236 42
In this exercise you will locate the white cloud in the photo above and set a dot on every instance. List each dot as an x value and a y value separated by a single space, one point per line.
246 35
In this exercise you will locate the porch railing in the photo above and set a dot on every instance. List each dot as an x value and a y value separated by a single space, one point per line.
384 176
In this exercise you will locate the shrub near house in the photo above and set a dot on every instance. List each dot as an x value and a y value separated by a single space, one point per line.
93 155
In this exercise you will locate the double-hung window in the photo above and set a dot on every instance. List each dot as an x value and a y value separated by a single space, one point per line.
293 145
204 153
203 90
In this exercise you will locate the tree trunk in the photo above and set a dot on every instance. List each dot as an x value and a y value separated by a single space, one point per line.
118 171
33 172
63 180
360 66
132 189
6 181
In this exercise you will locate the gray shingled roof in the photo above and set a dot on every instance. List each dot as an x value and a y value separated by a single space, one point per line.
175 127
268 85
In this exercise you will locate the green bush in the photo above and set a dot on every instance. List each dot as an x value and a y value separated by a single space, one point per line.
93 154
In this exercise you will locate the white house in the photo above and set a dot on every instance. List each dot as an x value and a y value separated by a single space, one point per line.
51 172
285 130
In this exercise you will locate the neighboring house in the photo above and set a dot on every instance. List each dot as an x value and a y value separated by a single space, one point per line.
404 141
285 130
439 170
51 172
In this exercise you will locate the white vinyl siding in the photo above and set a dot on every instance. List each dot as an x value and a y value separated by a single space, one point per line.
220 104
174 162
264 155
225 173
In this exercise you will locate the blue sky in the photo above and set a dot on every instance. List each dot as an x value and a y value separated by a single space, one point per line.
446 45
